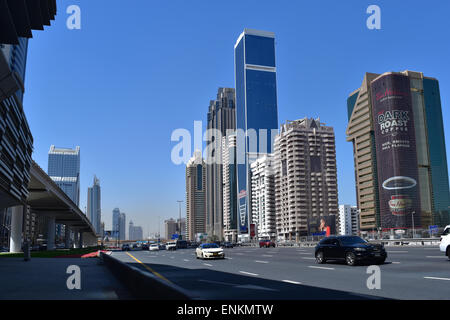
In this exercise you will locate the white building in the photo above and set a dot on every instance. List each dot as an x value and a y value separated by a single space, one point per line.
230 231
348 220
263 196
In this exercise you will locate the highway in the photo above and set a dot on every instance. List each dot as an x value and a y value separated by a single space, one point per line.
292 273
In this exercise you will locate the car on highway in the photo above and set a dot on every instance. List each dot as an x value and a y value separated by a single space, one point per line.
266 244
351 249
227 245
444 246
125 247
154 247
209 251
4 249
145 246
171 246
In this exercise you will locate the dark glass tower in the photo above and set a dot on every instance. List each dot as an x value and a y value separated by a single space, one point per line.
256 108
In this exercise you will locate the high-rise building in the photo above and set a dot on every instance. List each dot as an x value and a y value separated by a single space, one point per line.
170 228
16 57
256 109
94 208
348 220
64 169
230 223
115 223
401 173
263 197
221 118
195 196
122 224
181 227
135 232
306 178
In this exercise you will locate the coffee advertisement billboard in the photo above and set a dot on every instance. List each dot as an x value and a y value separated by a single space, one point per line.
395 151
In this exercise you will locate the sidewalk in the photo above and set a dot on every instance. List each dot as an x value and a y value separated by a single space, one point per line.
45 279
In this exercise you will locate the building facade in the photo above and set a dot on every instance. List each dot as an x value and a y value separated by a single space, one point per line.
256 110
195 196
64 169
170 228
306 178
348 221
94 207
263 197
135 232
397 117
118 224
230 216
221 118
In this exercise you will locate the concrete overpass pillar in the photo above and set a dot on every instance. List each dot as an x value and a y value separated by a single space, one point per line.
75 239
67 237
51 227
80 240
15 243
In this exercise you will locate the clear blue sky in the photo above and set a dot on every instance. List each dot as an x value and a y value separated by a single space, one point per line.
139 69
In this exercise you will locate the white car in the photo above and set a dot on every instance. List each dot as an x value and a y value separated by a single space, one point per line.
171 246
209 251
445 241
154 247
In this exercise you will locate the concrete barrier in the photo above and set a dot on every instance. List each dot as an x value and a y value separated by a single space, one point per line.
143 285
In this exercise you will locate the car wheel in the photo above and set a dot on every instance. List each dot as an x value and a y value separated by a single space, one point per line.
350 259
319 257
448 252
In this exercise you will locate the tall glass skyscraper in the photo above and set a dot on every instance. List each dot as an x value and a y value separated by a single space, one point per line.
64 169
94 210
256 108
16 56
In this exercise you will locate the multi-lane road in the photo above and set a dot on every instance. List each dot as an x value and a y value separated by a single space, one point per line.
291 273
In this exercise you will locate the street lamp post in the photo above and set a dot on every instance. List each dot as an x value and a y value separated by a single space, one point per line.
414 233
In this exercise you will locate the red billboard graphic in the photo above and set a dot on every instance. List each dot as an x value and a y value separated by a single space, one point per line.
395 151
252 230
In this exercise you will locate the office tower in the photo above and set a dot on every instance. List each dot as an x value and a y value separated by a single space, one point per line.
396 128
263 197
306 179
256 109
122 224
115 223
221 118
16 57
348 220
170 228
135 232
195 196
64 169
94 208
230 224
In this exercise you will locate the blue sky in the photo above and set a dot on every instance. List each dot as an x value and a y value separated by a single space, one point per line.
138 70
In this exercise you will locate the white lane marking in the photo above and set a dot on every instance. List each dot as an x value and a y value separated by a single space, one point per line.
172 257
241 254
308 258
267 255
435 278
395 262
430 248
259 261
325 268
228 258
207 264
249 273
436 256
290 281
185 260
398 251
306 253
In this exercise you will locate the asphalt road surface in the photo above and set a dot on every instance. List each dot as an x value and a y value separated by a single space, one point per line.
292 273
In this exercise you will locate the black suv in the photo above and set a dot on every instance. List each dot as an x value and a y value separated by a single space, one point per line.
351 249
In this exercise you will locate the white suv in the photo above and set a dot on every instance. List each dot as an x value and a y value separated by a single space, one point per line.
445 241
171 246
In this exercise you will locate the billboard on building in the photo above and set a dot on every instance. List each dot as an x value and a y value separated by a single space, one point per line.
322 226
395 151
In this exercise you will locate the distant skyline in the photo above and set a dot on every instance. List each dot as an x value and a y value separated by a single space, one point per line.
118 90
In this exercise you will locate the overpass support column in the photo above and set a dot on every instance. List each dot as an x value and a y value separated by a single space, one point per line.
75 239
51 230
15 244
67 237
80 240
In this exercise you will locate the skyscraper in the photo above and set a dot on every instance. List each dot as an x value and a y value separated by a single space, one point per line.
195 196
306 178
116 223
256 108
396 127
170 227
348 221
135 232
64 169
122 224
230 216
221 117
16 57
94 205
